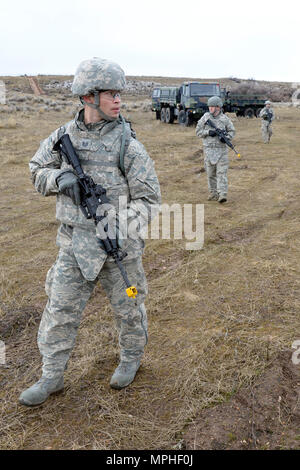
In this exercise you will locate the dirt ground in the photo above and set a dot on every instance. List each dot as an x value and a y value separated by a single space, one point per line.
265 415
218 371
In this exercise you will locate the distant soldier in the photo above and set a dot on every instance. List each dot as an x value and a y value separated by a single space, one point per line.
267 115
215 149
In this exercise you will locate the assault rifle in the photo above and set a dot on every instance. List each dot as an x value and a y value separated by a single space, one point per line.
268 117
92 196
222 135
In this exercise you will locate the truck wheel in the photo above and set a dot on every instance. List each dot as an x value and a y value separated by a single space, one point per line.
169 115
163 114
258 111
188 120
157 113
249 113
182 118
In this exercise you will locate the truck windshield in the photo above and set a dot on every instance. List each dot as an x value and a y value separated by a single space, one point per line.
205 89
156 93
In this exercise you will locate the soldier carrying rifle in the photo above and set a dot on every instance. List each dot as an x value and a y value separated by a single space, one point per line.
267 115
216 130
111 164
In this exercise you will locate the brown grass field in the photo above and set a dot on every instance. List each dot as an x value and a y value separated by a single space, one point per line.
217 372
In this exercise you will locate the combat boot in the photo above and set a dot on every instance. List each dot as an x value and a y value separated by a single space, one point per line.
213 197
40 391
222 198
124 374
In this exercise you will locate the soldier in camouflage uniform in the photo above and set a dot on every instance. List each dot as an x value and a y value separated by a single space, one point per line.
96 134
215 150
267 115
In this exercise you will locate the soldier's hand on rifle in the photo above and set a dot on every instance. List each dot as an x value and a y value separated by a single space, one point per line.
222 140
212 133
68 184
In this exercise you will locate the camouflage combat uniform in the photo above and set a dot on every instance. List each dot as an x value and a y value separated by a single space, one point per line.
81 263
266 128
215 153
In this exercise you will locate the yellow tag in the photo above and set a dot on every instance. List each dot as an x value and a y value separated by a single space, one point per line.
131 292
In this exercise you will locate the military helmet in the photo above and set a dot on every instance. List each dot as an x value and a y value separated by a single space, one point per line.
97 74
215 101
268 102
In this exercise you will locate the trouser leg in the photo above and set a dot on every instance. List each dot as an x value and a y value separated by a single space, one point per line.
222 179
68 293
265 133
270 132
211 177
130 314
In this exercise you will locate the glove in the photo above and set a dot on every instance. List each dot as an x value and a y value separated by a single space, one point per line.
68 184
212 133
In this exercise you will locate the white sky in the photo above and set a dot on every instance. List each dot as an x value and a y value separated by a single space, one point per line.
254 39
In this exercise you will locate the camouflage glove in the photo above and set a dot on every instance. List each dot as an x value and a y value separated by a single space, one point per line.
68 184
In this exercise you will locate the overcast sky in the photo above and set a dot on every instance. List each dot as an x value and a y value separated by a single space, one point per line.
254 39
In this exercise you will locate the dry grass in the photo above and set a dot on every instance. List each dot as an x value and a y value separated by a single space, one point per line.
216 316
9 123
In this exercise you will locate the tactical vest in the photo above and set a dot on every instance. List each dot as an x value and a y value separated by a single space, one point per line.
100 158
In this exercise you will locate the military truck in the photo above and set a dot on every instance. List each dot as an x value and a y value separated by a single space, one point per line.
164 103
242 105
186 103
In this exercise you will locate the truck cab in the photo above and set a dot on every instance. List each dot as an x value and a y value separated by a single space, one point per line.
193 100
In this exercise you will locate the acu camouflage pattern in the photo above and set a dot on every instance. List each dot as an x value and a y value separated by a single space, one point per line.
215 152
97 74
266 128
68 293
81 263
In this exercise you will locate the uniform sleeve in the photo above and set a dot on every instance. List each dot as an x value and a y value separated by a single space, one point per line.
262 113
200 131
143 184
45 165
230 129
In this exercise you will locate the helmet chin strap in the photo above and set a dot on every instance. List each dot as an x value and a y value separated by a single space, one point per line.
96 105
